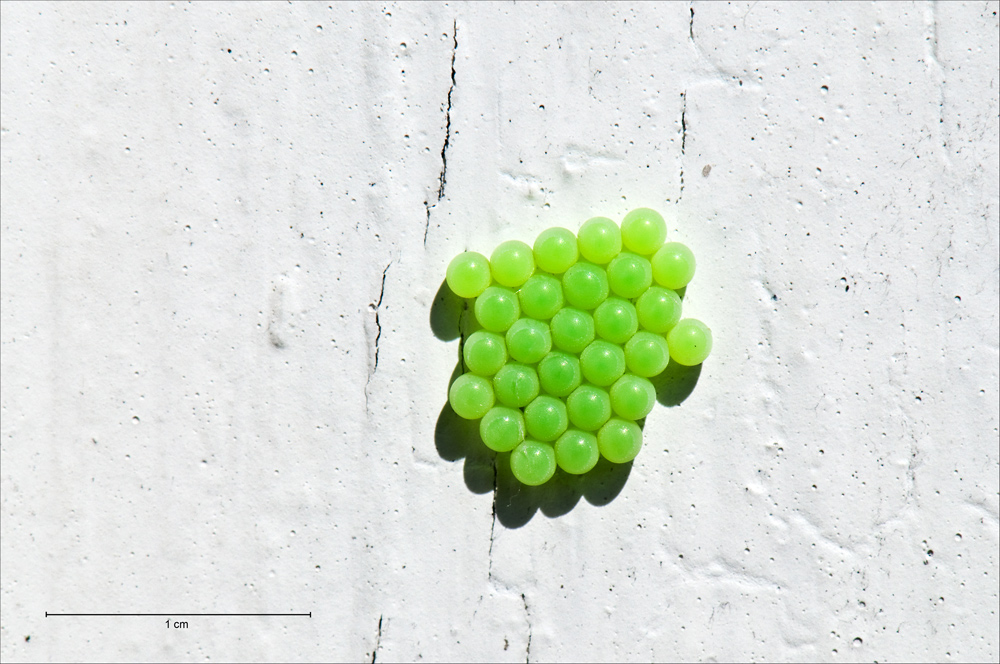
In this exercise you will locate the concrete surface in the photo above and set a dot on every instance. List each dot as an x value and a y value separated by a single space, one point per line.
225 355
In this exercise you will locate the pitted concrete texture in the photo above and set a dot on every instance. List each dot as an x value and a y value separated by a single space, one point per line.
226 353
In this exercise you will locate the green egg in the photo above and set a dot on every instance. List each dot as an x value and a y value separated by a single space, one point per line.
468 274
577 451
497 308
585 285
690 342
515 385
502 428
541 297
511 263
673 265
599 240
533 462
484 353
602 362
559 373
546 418
647 354
470 396
629 275
658 309
572 330
643 231
632 397
619 440
616 320
588 407
555 250
528 340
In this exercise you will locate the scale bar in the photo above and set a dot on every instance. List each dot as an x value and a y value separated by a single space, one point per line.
287 615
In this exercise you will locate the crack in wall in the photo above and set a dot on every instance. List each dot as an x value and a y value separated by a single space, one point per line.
684 108
684 126
378 640
527 618
375 307
443 176
723 75
461 334
427 221
489 575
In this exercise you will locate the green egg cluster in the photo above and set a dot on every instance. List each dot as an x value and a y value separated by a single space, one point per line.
573 329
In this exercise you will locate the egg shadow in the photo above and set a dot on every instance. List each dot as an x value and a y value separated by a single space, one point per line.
675 383
446 313
456 438
514 503
484 470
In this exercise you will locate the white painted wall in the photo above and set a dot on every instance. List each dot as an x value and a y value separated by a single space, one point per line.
209 210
